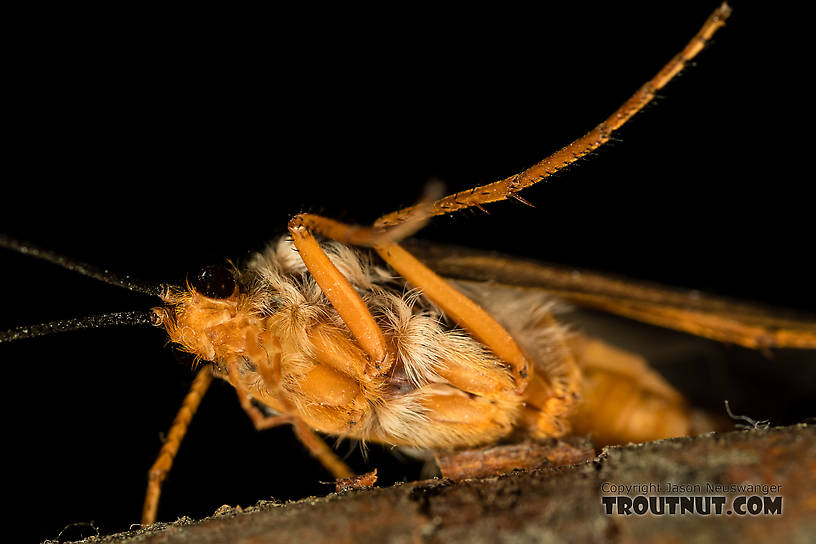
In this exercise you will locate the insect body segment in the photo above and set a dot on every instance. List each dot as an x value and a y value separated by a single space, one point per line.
315 334
646 407
282 343
327 341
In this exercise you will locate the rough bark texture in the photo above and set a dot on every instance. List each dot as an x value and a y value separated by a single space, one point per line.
560 504
528 454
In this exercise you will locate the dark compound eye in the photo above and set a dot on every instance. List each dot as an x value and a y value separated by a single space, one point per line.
215 282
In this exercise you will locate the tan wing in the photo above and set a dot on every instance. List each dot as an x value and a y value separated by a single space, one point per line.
717 318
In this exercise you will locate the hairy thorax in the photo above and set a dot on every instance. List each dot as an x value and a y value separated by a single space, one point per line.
280 343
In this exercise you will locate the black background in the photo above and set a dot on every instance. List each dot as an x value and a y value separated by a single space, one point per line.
154 143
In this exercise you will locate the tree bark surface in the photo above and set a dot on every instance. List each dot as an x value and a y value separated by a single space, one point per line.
557 504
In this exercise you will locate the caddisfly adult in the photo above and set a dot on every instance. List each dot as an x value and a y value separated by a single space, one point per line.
404 381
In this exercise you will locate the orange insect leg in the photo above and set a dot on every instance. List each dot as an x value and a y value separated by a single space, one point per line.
336 350
480 419
509 187
158 472
342 296
313 443
466 313
319 449
554 391
358 235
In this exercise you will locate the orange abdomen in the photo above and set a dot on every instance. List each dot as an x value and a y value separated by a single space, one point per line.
624 399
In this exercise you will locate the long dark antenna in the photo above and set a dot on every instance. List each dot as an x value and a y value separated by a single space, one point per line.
143 317
101 274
